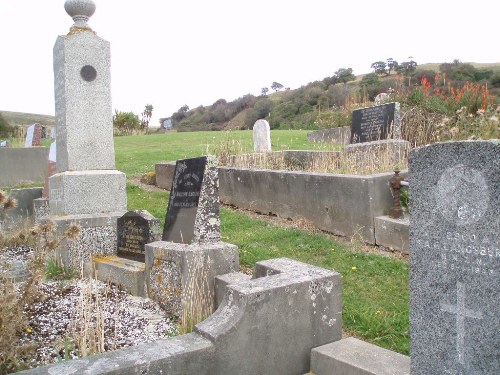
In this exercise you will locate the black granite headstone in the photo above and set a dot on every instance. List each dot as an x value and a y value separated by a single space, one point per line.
134 230
372 123
184 199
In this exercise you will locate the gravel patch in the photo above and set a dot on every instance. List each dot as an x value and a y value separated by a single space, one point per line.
64 309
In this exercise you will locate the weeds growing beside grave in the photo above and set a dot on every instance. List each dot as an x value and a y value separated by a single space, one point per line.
15 353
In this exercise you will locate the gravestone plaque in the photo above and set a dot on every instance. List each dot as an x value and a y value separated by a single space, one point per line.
193 208
455 258
134 230
261 136
375 123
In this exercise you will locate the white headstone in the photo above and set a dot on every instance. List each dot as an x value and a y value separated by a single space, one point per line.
29 136
52 152
261 136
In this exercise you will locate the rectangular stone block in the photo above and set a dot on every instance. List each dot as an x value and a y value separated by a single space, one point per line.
165 174
392 233
87 192
83 110
178 275
22 165
126 273
351 356
455 258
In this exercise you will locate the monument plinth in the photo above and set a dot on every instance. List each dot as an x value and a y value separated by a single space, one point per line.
87 189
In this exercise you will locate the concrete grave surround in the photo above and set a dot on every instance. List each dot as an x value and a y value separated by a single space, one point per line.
385 152
351 356
266 325
173 270
22 165
15 218
261 136
455 258
340 135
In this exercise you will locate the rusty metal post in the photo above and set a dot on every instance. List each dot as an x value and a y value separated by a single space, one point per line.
396 212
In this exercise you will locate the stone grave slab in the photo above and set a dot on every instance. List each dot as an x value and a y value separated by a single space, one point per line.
193 208
375 123
261 136
455 258
134 230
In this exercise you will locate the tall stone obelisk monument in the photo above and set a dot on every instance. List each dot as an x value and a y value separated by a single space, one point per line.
87 188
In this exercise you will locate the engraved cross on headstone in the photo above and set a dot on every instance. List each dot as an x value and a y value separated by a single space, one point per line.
462 312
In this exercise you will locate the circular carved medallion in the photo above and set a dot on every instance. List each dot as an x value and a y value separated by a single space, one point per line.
462 195
88 73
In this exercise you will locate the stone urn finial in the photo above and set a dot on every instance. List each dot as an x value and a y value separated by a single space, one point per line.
80 11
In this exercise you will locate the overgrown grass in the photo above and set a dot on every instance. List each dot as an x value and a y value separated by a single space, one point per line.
375 288
136 155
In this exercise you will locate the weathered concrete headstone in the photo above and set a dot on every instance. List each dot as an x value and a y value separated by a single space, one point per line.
261 136
376 123
455 258
134 230
193 208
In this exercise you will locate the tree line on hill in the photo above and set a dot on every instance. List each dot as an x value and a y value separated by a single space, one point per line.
306 107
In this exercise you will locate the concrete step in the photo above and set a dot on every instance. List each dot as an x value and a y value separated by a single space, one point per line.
351 356
392 233
128 274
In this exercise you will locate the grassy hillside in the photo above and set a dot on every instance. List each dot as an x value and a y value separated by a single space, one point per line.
26 119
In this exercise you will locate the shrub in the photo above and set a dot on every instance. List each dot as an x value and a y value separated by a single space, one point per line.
126 122
334 119
5 129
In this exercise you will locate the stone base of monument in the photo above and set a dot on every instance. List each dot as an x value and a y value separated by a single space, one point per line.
41 209
87 192
383 152
98 236
392 233
126 273
180 276
355 357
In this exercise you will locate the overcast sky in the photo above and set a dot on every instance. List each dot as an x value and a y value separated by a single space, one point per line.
171 53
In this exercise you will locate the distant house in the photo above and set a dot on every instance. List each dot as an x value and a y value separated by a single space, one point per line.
167 123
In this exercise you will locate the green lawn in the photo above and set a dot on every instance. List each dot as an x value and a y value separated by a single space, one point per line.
138 154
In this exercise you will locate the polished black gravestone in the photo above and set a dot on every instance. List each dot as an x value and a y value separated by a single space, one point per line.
134 230
375 123
193 208
455 258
